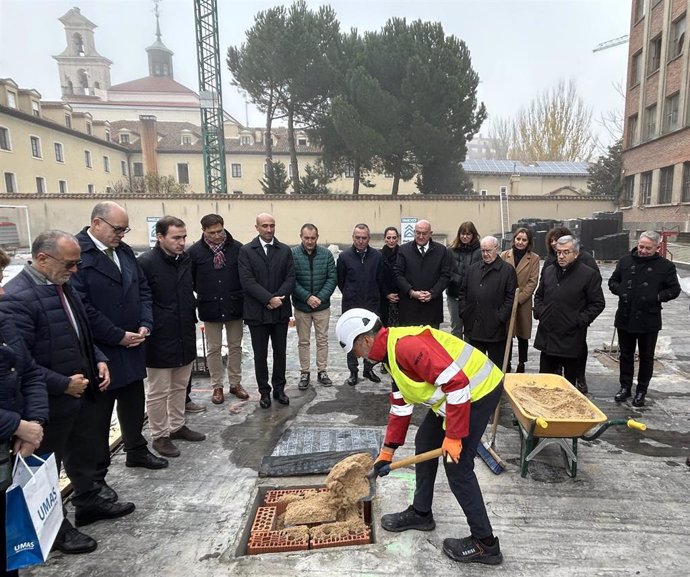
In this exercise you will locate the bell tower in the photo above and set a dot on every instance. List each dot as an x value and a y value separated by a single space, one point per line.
160 56
83 71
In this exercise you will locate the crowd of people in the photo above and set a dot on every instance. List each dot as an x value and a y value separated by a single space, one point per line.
86 322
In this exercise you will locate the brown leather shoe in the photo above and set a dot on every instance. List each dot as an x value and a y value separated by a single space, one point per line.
217 398
239 392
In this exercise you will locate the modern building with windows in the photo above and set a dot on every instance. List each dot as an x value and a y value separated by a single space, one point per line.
656 139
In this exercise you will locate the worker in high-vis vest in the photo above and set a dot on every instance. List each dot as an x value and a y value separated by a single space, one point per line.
462 387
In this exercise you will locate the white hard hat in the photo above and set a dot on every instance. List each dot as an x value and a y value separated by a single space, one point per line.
353 323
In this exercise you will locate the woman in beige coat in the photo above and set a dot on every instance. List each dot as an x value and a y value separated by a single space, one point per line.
526 264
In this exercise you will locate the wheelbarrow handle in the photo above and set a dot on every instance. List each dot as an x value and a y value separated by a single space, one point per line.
633 424
542 422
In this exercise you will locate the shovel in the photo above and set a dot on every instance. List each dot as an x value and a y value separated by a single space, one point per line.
413 460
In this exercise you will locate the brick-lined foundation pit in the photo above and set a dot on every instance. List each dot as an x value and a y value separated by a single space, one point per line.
265 534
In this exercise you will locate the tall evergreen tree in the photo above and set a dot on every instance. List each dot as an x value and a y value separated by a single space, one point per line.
606 174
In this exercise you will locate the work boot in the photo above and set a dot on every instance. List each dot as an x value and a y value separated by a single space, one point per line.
638 401
406 520
303 384
217 397
471 550
239 392
324 379
352 379
186 434
165 447
371 375
622 395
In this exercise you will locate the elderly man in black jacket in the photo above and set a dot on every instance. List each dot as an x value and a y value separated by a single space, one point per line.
567 301
267 274
422 270
171 348
219 301
486 301
642 280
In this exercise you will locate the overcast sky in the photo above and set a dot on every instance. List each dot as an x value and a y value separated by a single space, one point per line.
519 47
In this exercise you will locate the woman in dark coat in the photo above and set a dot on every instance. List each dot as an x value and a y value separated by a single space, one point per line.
465 251
23 407
389 301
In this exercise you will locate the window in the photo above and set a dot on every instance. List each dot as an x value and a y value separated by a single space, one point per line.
62 186
59 153
106 164
301 141
68 121
11 99
671 112
186 139
650 122
646 188
124 138
40 184
639 9
35 108
291 172
5 139
123 167
350 171
245 140
636 69
10 182
685 191
138 169
632 137
107 135
87 159
677 39
88 128
183 173
629 191
665 185
108 189
35 147
90 188
236 170
654 60
655 2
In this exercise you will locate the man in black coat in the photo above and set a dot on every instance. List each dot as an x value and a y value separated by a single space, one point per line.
267 274
567 301
219 301
171 348
118 301
486 301
422 270
642 280
360 280
52 320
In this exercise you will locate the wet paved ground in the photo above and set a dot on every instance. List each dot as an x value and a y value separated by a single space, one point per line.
626 513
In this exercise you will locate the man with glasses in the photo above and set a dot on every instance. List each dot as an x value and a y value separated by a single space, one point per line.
219 301
422 270
118 302
486 301
567 301
53 322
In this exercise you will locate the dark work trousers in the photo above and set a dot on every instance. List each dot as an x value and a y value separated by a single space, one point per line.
646 345
551 364
3 552
130 414
461 478
353 363
494 351
261 334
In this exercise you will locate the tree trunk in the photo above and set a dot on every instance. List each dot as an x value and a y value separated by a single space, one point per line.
269 140
293 152
396 180
355 183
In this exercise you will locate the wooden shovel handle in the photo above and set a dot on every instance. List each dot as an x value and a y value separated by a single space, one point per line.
416 459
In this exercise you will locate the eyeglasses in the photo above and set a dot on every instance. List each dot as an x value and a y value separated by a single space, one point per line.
563 252
68 264
116 229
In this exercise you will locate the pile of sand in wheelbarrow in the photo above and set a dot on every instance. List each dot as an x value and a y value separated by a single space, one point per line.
346 485
553 403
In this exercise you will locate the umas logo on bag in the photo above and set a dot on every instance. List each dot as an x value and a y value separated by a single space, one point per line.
26 546
47 505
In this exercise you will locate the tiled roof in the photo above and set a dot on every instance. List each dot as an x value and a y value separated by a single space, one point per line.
152 84
539 168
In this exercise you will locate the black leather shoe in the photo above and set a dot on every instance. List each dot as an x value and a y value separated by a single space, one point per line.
265 401
520 368
408 519
106 492
352 379
146 460
622 395
100 509
74 542
581 386
638 401
372 376
281 397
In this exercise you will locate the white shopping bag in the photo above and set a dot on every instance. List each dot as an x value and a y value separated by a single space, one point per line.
34 511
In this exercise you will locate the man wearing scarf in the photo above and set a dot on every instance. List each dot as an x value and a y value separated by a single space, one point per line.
219 302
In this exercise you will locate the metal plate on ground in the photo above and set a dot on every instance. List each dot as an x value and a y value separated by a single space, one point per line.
306 463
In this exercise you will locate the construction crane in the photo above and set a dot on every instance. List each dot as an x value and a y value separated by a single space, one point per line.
611 43
210 96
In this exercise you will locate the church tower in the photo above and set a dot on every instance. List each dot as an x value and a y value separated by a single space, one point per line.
160 56
83 71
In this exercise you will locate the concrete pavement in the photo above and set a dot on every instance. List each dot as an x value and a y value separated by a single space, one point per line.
626 513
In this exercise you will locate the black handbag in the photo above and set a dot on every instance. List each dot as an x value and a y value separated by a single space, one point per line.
5 466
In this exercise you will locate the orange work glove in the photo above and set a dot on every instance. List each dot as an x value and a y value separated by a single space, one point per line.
382 465
451 449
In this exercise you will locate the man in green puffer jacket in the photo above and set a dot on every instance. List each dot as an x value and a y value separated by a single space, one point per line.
316 280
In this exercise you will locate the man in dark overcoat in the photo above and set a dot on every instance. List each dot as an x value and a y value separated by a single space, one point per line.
567 301
422 269
267 274
642 280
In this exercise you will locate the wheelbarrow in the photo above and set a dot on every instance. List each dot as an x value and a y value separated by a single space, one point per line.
540 429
